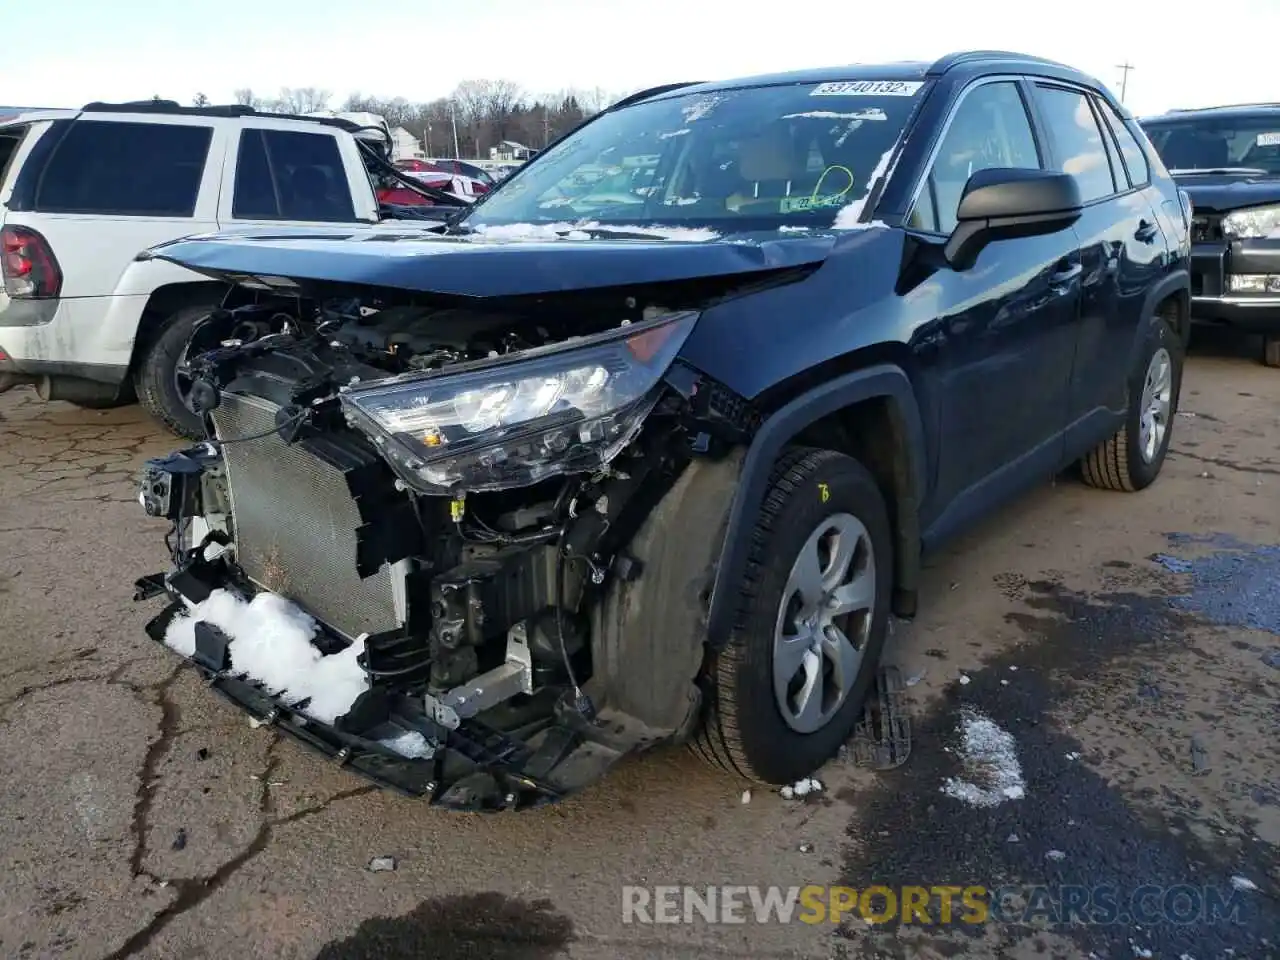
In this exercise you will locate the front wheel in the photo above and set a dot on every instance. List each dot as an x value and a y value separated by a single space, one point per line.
1131 458
162 381
787 691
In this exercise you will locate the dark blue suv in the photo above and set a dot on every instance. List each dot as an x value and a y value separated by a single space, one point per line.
647 444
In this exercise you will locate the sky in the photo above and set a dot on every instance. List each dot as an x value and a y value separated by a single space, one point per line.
420 49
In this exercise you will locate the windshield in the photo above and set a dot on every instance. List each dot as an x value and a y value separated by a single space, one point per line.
748 159
1218 143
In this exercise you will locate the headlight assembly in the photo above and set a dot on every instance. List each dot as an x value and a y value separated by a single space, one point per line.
515 420
1254 223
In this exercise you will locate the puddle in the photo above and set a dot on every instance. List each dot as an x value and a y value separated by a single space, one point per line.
477 926
1237 584
1073 828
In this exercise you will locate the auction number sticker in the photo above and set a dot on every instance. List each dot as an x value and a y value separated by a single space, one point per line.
1268 139
868 88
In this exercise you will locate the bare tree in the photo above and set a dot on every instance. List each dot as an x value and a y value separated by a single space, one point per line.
302 100
245 97
200 100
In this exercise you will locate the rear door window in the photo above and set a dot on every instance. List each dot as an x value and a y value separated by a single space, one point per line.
1135 160
125 169
290 175
1081 151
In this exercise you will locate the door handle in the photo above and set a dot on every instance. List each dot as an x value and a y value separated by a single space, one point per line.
1146 231
1064 275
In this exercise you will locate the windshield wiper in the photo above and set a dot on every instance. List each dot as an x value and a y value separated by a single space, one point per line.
1219 170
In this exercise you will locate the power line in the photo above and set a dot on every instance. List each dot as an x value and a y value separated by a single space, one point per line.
1124 69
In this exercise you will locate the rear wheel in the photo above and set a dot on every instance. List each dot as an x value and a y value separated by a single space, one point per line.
162 380
1131 458
1271 350
813 612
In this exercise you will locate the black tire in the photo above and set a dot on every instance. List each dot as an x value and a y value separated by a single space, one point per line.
744 731
1118 462
108 403
1271 351
155 378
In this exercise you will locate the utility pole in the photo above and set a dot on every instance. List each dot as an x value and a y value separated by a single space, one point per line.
426 137
546 127
453 115
1124 69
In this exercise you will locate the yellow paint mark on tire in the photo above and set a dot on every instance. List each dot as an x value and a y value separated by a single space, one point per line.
824 492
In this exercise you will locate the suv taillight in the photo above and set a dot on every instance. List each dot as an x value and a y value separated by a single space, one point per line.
27 263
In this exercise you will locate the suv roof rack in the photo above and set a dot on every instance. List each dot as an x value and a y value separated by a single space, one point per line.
167 107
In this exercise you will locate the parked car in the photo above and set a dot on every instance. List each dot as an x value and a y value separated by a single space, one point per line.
1228 160
463 168
83 191
521 499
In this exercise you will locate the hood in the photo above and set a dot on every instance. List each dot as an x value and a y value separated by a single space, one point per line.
503 262
1222 193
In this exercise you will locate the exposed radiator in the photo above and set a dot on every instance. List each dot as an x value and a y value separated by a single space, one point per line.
295 524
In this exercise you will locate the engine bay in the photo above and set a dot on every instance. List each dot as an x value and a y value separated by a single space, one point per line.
457 559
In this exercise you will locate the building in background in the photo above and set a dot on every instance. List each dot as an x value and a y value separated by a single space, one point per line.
405 146
510 150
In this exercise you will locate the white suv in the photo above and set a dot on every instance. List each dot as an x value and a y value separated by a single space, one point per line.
82 192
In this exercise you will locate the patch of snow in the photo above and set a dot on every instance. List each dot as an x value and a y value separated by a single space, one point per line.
746 796
562 230
1055 855
271 643
789 228
875 113
411 744
801 788
1013 668
673 133
1243 883
699 109
964 679
992 773
382 864
847 217
1141 952
680 201
1073 756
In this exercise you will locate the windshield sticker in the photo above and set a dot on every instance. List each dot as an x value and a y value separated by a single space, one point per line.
801 204
868 88
1268 140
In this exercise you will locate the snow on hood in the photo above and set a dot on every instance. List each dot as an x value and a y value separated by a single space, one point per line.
579 231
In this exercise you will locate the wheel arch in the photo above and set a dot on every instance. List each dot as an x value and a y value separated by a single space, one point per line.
871 414
1169 300
163 302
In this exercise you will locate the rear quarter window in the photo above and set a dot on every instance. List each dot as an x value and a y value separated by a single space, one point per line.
10 139
125 169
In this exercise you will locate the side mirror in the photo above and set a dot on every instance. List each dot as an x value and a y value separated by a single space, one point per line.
1001 203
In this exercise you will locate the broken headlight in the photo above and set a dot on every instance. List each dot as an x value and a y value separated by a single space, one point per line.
516 420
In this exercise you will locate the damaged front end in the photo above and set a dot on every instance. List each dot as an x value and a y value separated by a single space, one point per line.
466 552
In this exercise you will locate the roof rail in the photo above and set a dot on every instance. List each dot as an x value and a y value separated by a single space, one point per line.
653 92
1225 106
946 62
230 110
171 107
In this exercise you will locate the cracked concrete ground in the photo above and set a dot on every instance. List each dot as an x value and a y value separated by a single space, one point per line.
144 818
